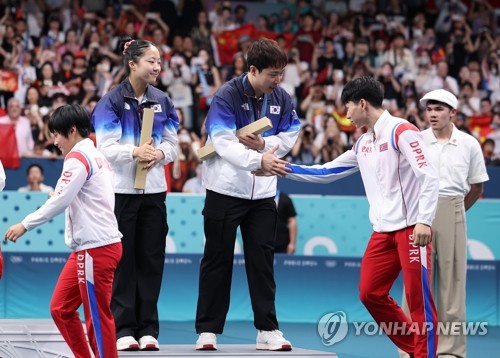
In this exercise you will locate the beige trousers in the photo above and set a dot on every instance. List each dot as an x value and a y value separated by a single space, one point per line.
449 258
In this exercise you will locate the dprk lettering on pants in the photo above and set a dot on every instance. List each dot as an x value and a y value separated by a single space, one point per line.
81 268
414 251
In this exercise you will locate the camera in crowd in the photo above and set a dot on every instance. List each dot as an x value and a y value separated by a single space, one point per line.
196 61
177 60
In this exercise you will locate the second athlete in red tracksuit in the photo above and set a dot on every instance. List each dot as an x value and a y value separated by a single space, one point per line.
85 189
402 189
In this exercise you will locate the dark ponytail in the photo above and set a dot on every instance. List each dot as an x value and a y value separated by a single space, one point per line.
133 50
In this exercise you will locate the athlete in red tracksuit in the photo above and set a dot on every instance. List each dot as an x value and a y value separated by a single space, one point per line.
402 189
85 190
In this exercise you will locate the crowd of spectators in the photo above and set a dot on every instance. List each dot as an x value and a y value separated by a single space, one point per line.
59 51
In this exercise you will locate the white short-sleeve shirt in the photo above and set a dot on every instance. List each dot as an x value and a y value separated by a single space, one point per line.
459 162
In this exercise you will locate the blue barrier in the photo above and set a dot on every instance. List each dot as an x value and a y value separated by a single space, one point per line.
333 231
327 225
351 185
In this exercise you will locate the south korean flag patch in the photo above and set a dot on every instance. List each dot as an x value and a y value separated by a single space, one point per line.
157 108
275 109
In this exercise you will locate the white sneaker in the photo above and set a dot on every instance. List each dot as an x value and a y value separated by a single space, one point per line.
127 343
272 341
148 343
206 342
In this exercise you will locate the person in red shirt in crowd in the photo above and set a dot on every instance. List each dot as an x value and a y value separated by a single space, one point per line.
307 37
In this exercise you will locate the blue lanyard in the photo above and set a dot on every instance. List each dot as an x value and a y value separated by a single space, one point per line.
263 109
203 81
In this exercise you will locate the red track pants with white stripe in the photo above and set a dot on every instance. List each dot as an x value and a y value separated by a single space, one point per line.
385 256
87 277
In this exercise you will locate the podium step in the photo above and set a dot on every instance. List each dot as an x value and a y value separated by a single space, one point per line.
37 338
40 338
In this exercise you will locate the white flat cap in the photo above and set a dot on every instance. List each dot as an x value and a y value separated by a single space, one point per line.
442 96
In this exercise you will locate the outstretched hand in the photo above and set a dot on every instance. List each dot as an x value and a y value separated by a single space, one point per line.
272 165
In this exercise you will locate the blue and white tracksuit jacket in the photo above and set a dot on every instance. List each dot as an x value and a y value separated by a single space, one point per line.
117 124
233 107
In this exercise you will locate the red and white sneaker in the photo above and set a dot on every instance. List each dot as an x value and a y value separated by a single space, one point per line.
272 341
148 343
206 342
127 343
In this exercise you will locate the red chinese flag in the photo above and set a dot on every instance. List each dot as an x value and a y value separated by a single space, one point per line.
272 35
227 42
267 34
480 126
8 150
479 121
